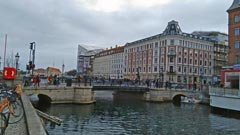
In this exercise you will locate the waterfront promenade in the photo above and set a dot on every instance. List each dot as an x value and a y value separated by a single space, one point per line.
19 128
30 124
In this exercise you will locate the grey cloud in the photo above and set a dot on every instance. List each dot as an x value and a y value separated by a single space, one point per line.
58 26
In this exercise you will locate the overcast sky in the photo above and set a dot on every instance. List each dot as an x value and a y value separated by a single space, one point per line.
58 26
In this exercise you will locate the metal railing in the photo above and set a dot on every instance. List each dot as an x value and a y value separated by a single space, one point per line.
224 91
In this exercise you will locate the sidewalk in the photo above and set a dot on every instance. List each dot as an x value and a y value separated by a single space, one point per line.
19 128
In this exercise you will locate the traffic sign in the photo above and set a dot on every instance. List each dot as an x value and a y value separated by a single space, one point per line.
9 73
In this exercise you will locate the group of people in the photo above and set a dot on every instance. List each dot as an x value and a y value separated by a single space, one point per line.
36 79
55 80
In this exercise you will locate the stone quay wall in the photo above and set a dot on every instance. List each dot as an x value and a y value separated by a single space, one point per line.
33 121
157 95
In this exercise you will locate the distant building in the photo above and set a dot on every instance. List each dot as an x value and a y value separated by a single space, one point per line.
170 56
47 72
53 71
221 51
109 63
84 58
234 33
40 71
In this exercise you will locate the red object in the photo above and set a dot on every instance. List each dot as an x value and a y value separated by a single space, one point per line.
223 72
9 73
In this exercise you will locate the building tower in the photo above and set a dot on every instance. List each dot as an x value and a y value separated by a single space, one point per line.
234 33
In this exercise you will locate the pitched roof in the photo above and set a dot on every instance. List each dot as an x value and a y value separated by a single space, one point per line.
235 4
52 69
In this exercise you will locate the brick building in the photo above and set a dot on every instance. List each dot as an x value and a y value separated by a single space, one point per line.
234 32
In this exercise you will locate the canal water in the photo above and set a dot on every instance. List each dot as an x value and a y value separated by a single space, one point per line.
127 114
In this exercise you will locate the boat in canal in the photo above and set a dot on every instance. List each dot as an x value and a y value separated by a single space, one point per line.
227 96
190 100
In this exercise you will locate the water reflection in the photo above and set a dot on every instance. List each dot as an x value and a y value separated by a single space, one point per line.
121 113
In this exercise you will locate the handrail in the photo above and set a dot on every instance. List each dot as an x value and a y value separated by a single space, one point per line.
224 91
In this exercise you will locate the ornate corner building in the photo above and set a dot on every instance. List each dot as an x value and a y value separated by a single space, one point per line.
170 56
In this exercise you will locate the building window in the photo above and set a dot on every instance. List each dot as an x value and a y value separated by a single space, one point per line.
155 60
185 70
180 42
179 78
172 42
171 69
236 44
236 18
236 31
156 52
179 69
195 62
195 70
179 60
171 59
155 69
237 59
156 44
190 61
185 60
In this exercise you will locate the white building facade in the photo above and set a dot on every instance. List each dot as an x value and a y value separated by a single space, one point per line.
108 63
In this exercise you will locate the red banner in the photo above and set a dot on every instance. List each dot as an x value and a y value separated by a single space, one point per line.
9 73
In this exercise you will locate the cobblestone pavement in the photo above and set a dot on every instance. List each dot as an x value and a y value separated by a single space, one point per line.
19 128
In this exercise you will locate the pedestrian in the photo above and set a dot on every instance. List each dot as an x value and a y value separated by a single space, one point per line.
49 79
166 84
38 80
79 80
194 86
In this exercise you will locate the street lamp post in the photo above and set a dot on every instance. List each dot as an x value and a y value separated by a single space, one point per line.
0 62
162 80
32 58
185 78
17 59
159 76
138 75
62 71
201 78
118 72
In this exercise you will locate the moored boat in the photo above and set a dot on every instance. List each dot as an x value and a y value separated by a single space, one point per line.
189 100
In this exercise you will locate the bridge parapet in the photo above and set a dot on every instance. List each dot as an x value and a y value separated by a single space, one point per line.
163 95
80 95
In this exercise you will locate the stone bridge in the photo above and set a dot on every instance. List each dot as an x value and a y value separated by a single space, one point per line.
163 95
79 95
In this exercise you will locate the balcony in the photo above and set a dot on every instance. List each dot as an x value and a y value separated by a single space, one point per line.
171 53
171 72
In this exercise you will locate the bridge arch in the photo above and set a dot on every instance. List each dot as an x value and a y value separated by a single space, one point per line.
177 97
44 99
